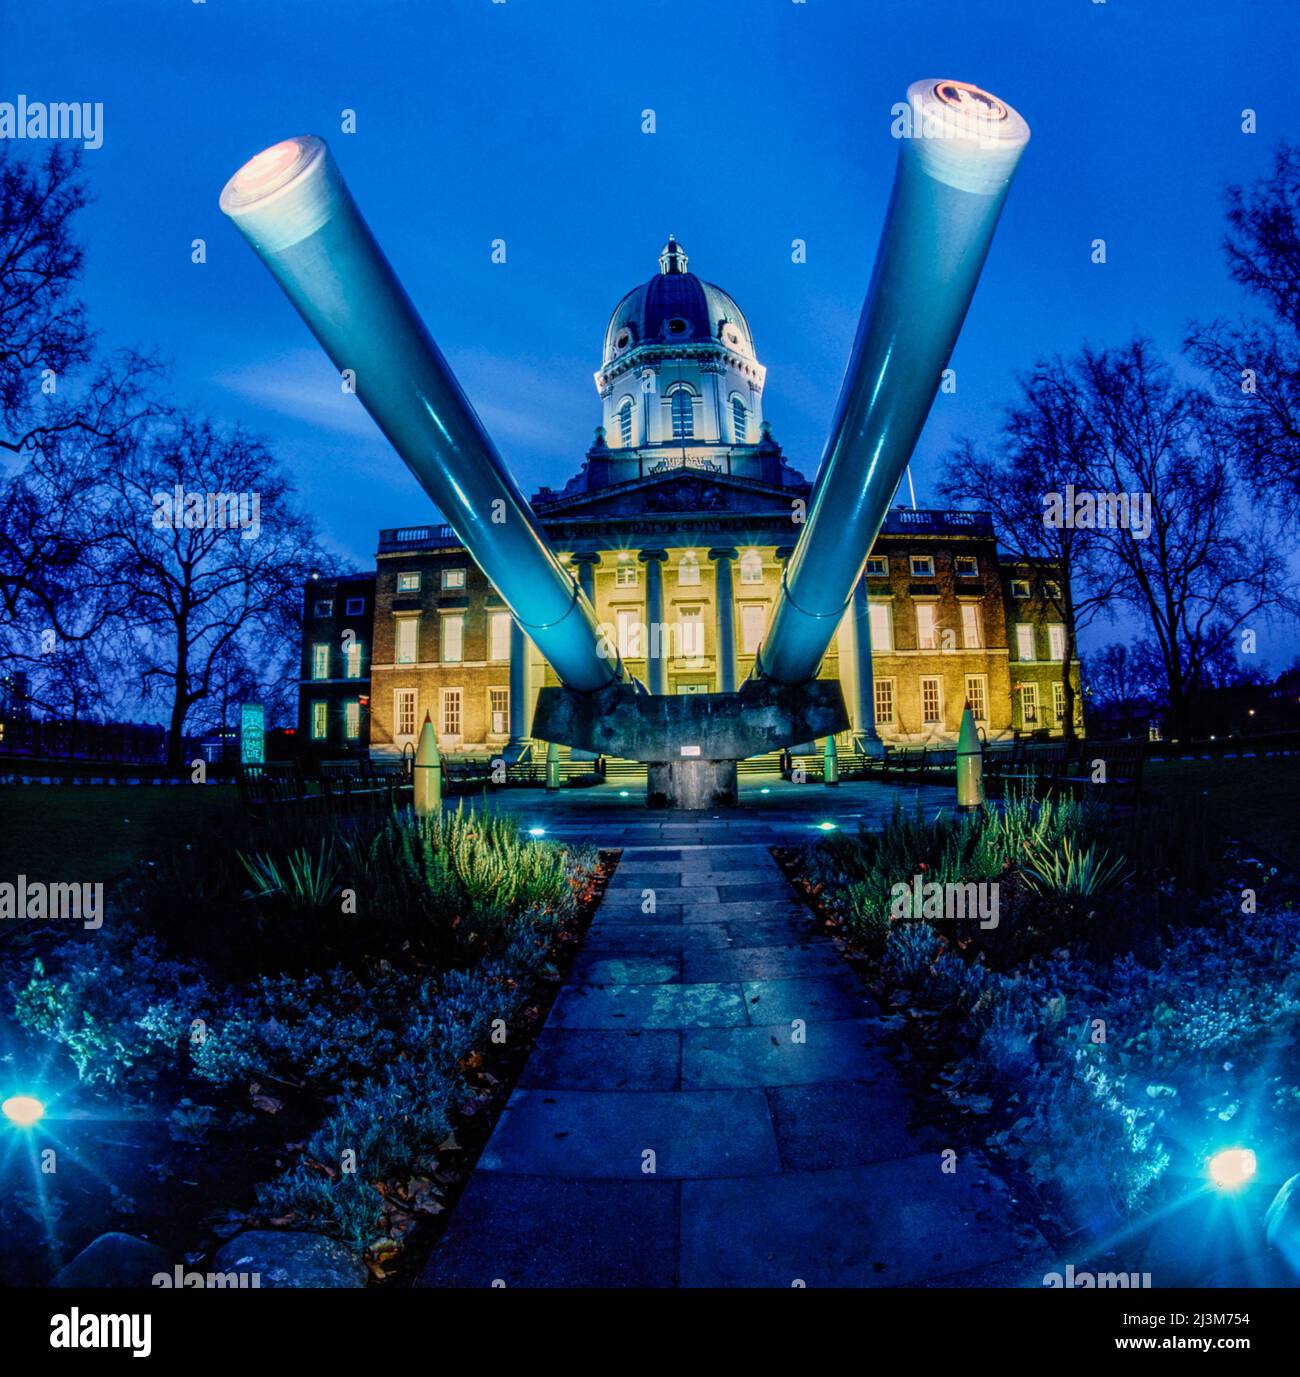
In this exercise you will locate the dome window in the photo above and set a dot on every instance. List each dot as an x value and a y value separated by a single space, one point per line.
677 326
622 341
739 421
732 336
625 421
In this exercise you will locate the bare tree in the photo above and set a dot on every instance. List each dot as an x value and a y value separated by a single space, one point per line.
1041 450
1255 365
209 553
1207 568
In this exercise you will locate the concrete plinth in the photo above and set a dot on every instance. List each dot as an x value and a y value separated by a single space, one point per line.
691 784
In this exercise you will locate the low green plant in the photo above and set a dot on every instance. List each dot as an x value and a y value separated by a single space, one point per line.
306 880
1068 868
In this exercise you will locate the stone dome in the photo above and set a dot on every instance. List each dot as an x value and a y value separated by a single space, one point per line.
676 307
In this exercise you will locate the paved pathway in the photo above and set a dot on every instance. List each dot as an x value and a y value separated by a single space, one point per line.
709 1104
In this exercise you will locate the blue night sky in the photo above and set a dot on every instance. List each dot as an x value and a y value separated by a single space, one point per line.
522 121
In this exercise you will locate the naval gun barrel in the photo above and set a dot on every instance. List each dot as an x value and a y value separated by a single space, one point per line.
293 206
958 153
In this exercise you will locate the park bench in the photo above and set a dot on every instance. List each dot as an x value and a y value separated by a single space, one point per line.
1038 767
276 787
1124 761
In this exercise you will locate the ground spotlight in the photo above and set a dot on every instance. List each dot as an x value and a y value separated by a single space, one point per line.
1232 1168
826 826
23 1110
537 831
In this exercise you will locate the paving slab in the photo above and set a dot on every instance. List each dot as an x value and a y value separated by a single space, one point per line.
889 1224
605 1059
775 1054
608 1134
650 940
757 963
812 998
629 969
846 1123
544 1232
709 1005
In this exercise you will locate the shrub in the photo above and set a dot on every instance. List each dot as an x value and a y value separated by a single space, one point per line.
113 1004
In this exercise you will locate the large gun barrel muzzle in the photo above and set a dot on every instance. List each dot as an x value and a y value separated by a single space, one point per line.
292 205
959 150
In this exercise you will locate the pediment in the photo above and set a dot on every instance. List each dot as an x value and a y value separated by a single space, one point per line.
680 490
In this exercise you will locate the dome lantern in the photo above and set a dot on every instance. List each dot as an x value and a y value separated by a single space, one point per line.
673 258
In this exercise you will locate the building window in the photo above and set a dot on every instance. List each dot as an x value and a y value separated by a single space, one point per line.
408 583
625 574
739 421
452 579
629 633
323 607
625 421
977 695
751 567
408 636
882 627
690 633
498 635
320 718
1019 588
884 702
1053 590
1058 702
931 701
922 566
453 640
1028 705
688 570
1025 641
451 718
753 622
352 660
354 607
925 626
352 719
320 660
878 567
1056 641
499 711
683 415
972 632
966 567
404 716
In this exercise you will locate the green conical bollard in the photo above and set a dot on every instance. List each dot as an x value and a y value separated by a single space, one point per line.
426 793
830 763
970 765
552 765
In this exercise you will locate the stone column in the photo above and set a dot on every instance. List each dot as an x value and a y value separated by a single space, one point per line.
520 698
586 566
862 694
658 641
585 562
725 611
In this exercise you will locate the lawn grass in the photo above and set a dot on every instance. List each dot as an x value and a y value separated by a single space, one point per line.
93 832
1255 800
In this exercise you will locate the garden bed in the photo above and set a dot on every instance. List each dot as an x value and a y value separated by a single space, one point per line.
307 1026
1132 1011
